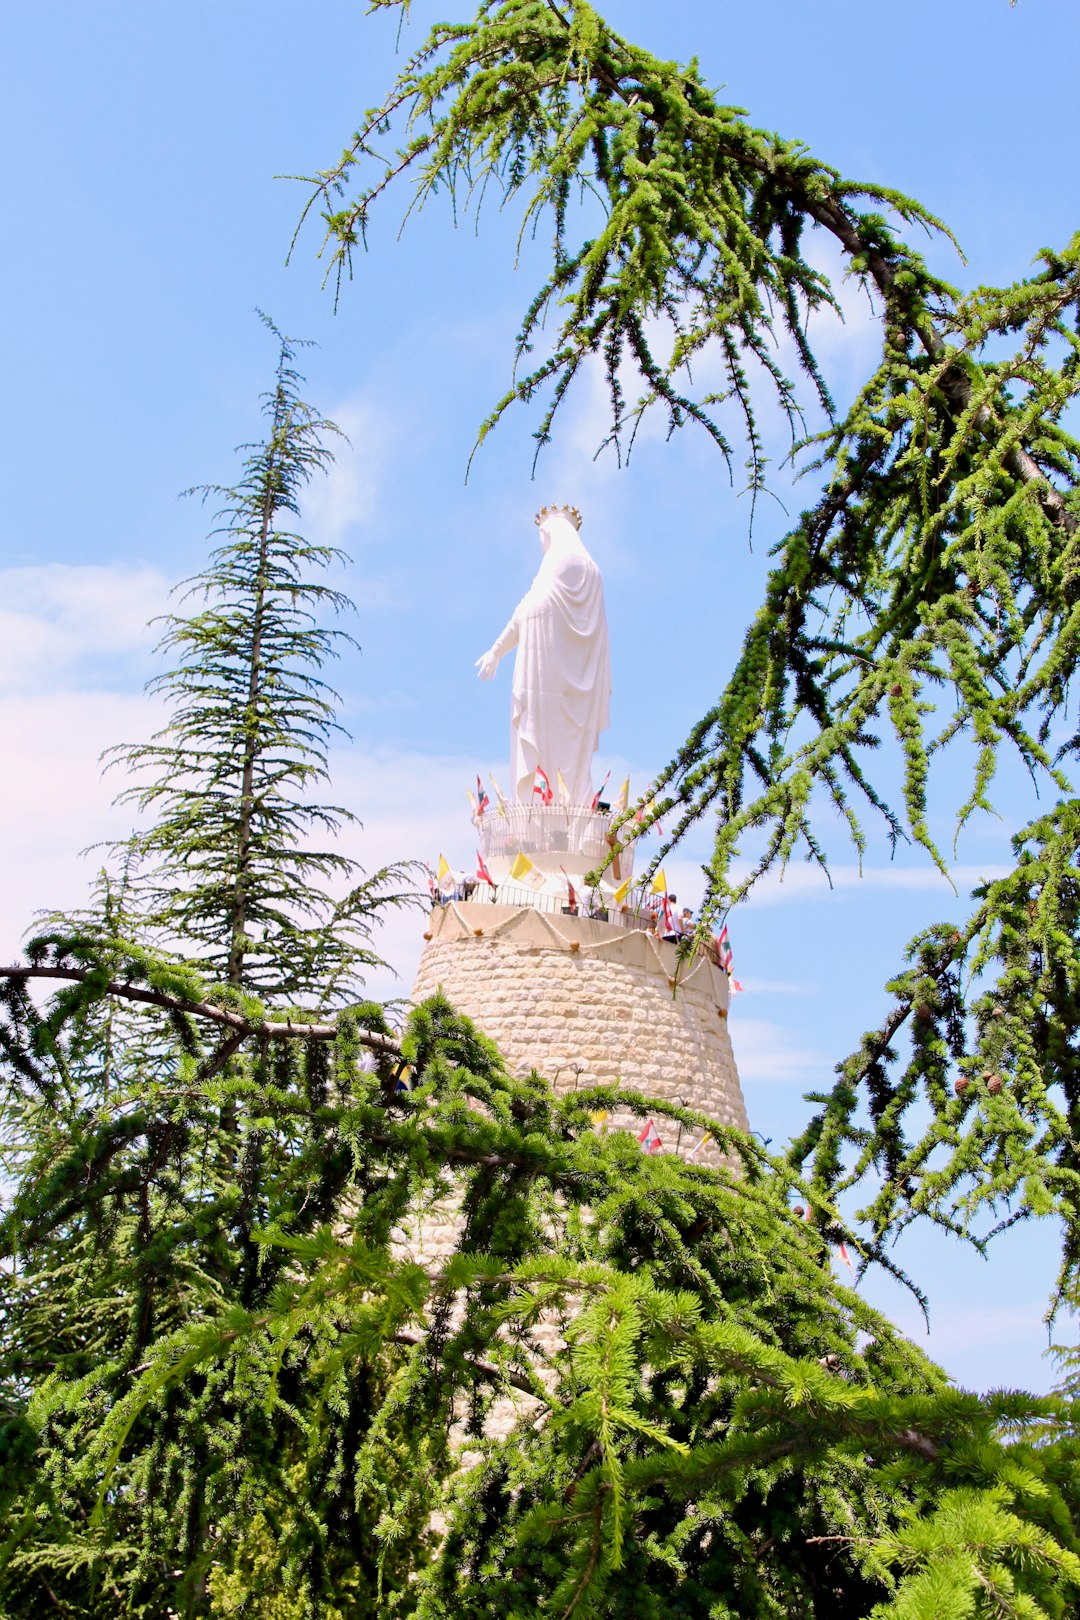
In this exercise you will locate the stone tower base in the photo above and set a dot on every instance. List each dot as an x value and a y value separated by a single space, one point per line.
588 1003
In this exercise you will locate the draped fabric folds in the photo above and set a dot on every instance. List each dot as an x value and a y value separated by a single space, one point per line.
561 698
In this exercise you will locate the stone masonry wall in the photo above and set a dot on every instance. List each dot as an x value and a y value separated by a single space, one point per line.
587 1002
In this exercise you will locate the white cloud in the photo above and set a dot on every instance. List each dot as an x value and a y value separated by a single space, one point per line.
68 638
55 802
347 497
411 807
65 636
56 618
806 882
765 1052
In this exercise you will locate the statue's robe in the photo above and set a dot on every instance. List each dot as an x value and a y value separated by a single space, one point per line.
561 699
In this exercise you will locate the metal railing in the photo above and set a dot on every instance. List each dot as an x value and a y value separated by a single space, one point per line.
545 829
511 894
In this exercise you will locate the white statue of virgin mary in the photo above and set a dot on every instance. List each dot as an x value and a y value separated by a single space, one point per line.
561 698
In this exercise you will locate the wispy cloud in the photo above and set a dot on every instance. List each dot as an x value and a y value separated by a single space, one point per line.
765 1052
800 883
338 507
58 619
55 803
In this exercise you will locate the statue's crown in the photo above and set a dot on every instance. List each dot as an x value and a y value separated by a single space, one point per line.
570 511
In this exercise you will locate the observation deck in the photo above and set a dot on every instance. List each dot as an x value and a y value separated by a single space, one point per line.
559 840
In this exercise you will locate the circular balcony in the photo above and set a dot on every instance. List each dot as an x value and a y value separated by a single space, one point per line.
554 837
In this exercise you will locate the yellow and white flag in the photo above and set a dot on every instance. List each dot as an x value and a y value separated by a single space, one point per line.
599 1119
523 871
622 891
706 1138
500 797
447 879
564 791
622 803
659 883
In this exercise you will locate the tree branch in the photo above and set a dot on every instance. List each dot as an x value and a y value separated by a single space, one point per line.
487 1369
270 1029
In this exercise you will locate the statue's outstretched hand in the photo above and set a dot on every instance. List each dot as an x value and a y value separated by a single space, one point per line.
487 665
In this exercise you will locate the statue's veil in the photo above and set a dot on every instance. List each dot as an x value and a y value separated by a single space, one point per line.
562 674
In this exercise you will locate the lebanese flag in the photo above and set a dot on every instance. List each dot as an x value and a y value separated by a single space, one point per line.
599 792
482 800
723 950
571 897
667 921
543 786
482 872
650 1139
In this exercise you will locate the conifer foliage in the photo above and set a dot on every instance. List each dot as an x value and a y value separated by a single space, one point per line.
229 1384
233 1380
928 596
237 861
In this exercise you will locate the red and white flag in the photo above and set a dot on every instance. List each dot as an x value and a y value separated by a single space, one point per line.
723 951
542 786
650 1138
571 893
599 792
482 800
482 872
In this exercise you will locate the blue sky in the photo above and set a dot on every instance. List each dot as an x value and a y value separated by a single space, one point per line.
139 146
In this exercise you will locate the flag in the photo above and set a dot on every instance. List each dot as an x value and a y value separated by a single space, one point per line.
841 1249
650 1138
599 1118
649 809
622 803
446 874
543 786
500 797
564 791
600 790
482 872
706 1138
571 897
482 800
723 950
472 803
523 871
431 883
622 891
736 988
667 919
659 883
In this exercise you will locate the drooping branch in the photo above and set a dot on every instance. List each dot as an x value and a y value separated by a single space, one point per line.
266 1028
